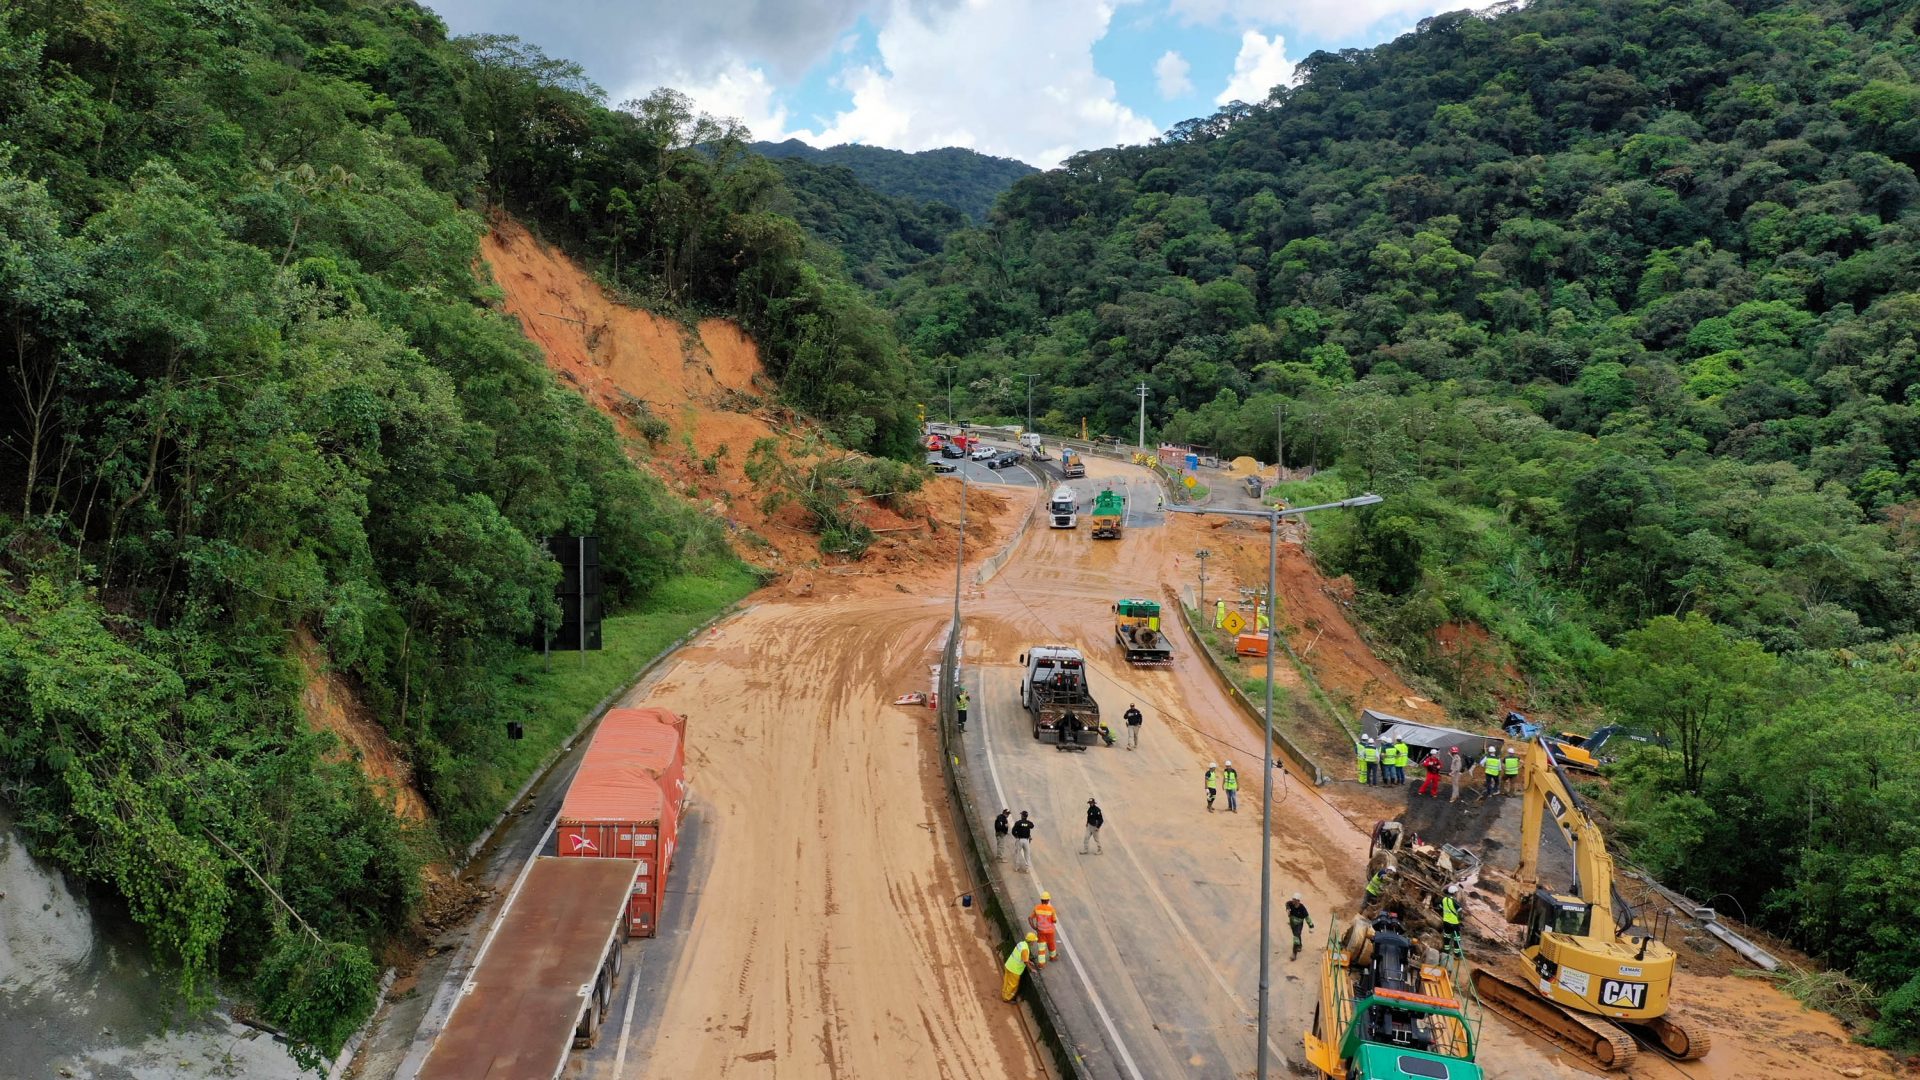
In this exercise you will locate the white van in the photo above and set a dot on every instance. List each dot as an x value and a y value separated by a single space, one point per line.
1063 510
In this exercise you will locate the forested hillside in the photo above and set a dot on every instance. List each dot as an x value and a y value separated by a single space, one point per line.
1617 303
966 180
877 237
255 396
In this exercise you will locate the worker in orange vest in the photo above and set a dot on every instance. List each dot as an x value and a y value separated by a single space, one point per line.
1046 923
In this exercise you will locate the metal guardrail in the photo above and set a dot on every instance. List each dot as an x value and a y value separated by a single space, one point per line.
997 906
1301 759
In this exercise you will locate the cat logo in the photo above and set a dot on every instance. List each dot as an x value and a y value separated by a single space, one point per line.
1623 995
581 843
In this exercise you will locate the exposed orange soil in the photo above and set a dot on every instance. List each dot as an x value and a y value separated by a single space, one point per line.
708 385
828 940
331 705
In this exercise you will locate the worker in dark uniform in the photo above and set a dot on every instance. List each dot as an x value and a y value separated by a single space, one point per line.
1296 915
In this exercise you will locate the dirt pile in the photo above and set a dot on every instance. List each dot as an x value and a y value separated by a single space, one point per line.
330 704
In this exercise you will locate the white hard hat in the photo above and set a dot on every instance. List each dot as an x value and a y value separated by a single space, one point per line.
1451 889
1213 764
1229 763
1296 896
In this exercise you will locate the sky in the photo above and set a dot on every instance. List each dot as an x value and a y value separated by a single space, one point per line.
1037 80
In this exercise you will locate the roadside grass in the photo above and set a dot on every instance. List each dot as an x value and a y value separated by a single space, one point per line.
549 697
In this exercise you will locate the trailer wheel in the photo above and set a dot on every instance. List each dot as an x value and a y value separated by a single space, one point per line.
588 1033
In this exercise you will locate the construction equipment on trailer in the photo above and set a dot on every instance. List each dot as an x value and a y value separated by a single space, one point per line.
1108 510
1063 509
1054 690
1071 465
1587 967
1384 1014
1137 627
545 980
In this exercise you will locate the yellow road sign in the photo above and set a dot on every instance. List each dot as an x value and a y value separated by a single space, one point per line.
1235 623
1190 481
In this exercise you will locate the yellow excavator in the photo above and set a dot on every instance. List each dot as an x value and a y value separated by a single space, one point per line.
1590 979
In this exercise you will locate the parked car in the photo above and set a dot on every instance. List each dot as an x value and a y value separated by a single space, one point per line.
944 466
984 453
1005 458
952 450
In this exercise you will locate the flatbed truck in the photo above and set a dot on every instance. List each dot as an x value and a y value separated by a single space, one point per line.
544 982
1053 687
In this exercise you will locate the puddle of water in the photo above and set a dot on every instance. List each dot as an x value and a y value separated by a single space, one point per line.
80 997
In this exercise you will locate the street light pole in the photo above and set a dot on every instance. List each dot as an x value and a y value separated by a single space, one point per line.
1272 517
1142 391
1030 378
1203 555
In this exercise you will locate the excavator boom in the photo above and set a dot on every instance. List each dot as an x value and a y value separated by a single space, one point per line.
1584 966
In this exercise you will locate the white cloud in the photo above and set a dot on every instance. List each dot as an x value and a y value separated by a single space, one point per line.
999 76
626 42
738 91
1170 74
1261 65
1312 19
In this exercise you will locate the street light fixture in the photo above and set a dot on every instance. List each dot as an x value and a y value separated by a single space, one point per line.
1272 517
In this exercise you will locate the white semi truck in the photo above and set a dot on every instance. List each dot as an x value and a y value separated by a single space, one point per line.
1063 509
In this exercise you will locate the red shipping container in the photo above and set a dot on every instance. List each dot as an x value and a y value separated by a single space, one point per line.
614 809
658 715
655 748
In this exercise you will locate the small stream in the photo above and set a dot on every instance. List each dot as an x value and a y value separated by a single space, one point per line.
80 999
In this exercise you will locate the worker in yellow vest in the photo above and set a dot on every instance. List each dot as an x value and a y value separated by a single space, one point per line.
1231 781
1369 760
1402 757
1219 614
1016 966
1510 771
1450 919
1490 764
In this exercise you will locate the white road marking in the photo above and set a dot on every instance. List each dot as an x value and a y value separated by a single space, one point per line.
626 1021
1073 956
1176 921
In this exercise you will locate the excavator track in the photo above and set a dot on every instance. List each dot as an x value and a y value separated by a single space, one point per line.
1674 1037
1592 1039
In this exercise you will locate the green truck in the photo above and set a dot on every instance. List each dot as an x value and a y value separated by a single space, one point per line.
1109 511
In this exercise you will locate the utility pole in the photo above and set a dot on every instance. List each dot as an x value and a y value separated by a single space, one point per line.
1280 446
1030 379
1203 555
1272 516
1142 391
950 368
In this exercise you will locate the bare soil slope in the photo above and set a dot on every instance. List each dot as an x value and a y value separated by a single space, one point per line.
706 382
